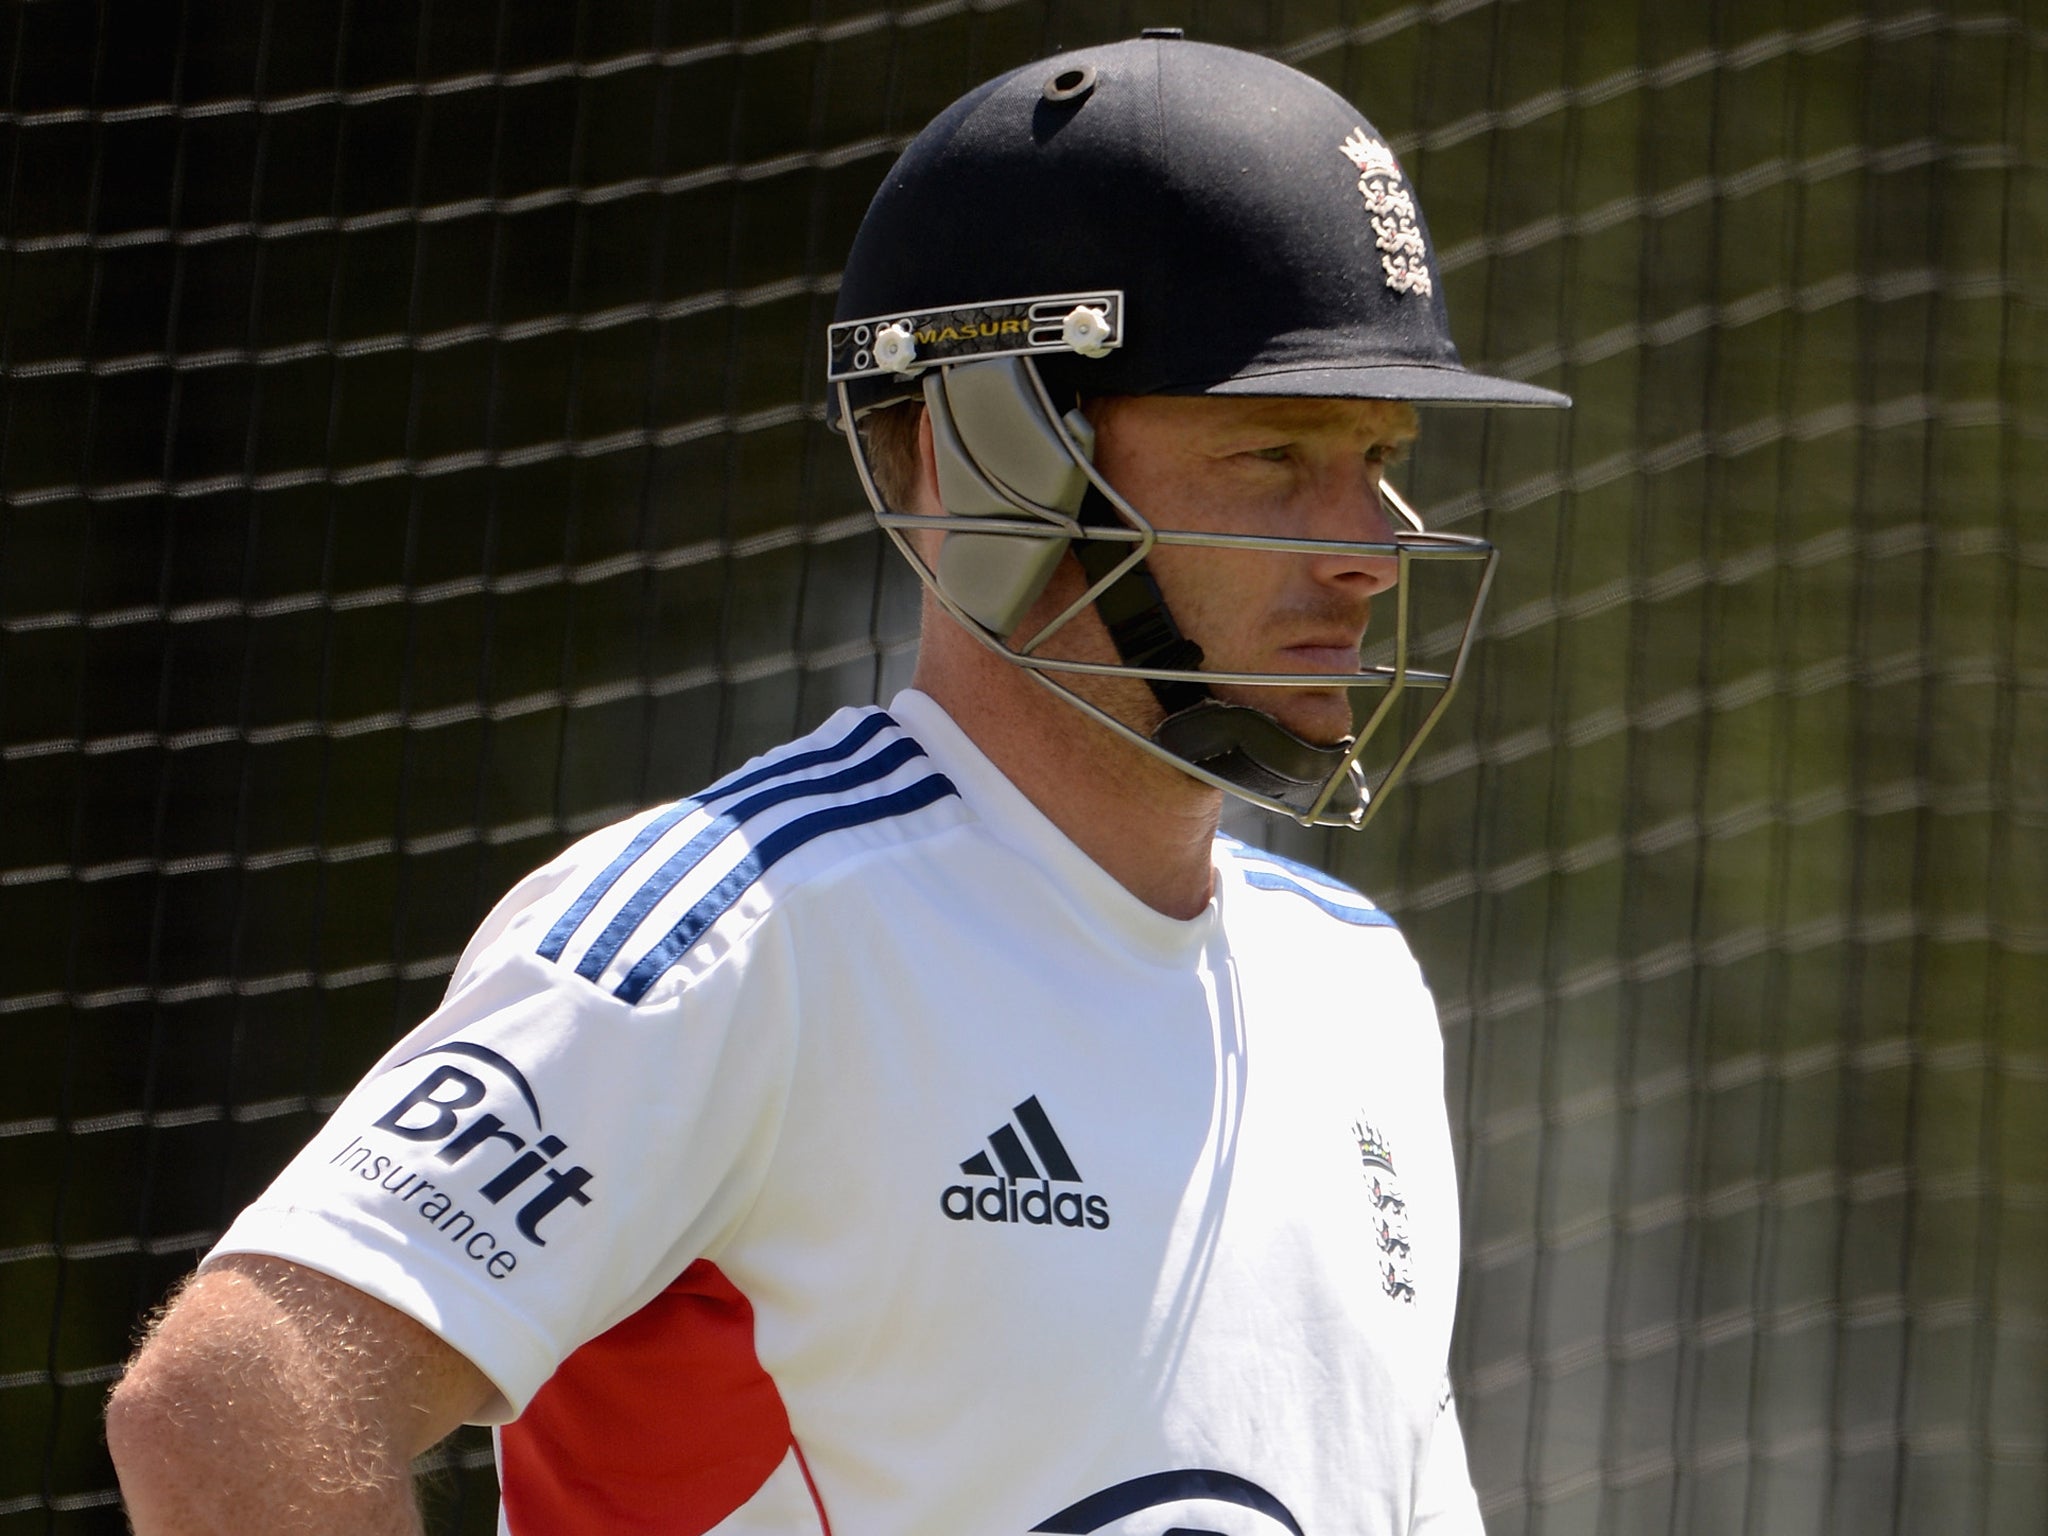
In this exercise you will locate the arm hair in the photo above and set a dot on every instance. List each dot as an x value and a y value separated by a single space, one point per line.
268 1396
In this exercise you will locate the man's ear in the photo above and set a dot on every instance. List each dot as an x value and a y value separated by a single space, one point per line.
928 501
924 492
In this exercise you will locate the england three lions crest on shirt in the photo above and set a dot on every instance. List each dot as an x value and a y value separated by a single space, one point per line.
1389 1211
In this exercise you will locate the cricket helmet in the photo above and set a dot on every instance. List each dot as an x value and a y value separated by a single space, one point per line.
1149 217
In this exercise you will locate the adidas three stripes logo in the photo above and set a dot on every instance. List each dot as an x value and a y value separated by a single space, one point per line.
686 867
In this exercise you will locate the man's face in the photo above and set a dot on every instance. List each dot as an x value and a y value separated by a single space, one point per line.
1280 468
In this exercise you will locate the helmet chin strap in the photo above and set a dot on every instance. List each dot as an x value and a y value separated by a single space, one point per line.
1246 746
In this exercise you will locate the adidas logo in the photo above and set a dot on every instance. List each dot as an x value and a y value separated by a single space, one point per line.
1022 1190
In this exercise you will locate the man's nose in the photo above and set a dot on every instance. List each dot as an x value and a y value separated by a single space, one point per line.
1351 510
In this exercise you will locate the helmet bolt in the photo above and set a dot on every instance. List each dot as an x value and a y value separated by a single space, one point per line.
896 348
1086 330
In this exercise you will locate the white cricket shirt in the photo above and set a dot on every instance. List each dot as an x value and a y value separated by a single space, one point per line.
843 1150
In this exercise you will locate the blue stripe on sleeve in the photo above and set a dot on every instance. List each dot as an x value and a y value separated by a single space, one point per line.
777 845
1306 872
839 751
1361 917
716 831
565 927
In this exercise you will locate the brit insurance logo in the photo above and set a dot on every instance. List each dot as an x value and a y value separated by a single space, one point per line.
1389 1210
1030 1178
471 1177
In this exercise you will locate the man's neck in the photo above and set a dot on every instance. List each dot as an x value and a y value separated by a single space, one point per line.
1148 825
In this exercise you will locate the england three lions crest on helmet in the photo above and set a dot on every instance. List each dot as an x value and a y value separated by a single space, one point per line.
1403 255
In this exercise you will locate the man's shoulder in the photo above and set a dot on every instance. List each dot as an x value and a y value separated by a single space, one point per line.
1284 879
625 905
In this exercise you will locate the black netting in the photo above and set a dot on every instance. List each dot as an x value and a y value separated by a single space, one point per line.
411 455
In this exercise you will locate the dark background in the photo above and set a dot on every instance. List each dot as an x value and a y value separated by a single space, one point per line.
411 457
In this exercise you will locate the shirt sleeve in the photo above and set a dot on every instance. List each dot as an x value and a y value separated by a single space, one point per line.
1445 1504
538 1159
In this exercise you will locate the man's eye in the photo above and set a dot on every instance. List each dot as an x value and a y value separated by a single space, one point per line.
1269 455
1385 453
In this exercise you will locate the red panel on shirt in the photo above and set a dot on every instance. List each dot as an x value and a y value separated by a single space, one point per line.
666 1423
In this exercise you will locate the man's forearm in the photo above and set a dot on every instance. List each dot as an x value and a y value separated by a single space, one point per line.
194 1462
274 1398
